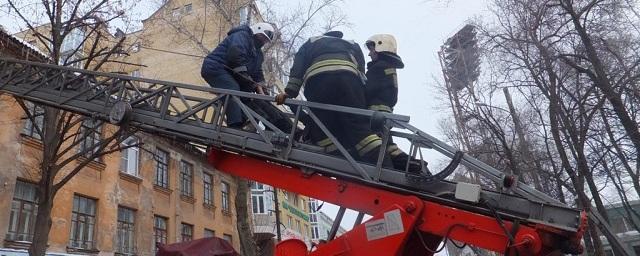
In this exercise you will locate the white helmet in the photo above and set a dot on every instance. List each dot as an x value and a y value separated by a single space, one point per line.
263 28
382 43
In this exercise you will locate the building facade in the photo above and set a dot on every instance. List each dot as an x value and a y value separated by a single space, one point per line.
321 223
294 213
625 226
124 203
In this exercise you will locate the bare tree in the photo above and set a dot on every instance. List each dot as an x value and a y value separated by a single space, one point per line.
72 33
573 66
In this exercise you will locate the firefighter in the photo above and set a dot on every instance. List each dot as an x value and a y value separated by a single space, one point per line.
331 70
381 91
236 64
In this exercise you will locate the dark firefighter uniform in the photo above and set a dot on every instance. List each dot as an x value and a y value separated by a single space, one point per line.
331 70
382 95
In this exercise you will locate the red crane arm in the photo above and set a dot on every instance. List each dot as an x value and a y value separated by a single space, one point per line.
424 223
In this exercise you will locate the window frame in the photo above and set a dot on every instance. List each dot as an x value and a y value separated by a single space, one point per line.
186 179
258 205
225 192
186 232
207 232
126 154
158 232
14 232
207 186
85 238
126 228
37 112
162 168
90 136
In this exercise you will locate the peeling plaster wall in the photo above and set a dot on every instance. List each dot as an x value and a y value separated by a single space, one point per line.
111 188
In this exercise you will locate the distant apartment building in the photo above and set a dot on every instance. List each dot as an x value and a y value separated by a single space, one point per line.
625 225
294 213
321 223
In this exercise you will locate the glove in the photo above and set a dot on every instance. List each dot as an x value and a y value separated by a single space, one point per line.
260 88
281 97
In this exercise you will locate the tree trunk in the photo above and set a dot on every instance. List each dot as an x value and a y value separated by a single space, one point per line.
42 227
248 245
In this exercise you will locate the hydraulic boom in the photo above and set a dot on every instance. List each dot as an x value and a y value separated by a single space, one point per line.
412 215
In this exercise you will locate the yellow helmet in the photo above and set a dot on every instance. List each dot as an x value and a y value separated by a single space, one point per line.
382 43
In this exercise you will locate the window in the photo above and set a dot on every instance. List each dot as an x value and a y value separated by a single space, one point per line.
257 186
72 41
312 206
126 231
160 231
298 227
188 8
207 180
209 233
258 198
224 189
175 13
162 168
129 156
23 212
290 222
135 47
243 14
296 200
227 238
617 224
135 73
30 129
186 179
72 59
187 232
314 232
83 221
257 202
312 211
306 232
90 135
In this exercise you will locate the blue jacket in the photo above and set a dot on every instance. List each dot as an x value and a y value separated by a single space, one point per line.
238 52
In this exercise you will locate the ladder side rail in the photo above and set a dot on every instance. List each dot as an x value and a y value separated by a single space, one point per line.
242 141
478 166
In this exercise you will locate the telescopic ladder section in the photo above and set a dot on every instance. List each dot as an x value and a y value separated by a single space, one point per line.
525 221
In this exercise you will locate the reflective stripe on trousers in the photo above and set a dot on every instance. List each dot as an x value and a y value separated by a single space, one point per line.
367 144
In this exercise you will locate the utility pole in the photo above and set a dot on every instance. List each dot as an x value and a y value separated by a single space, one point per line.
277 211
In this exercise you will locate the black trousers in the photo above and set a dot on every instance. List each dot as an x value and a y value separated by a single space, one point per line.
352 131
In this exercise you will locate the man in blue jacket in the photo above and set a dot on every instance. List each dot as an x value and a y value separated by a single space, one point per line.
236 64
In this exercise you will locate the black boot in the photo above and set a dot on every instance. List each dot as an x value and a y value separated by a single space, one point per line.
371 157
418 167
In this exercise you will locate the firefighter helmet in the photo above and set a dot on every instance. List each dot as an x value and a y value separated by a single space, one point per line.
263 28
382 43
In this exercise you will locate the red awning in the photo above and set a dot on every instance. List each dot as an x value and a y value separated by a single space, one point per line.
211 246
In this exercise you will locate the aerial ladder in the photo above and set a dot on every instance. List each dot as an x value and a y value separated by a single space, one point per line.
410 214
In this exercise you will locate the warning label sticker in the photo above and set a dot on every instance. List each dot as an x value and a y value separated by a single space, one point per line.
390 225
394 222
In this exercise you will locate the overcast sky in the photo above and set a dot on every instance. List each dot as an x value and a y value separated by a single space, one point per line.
420 27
